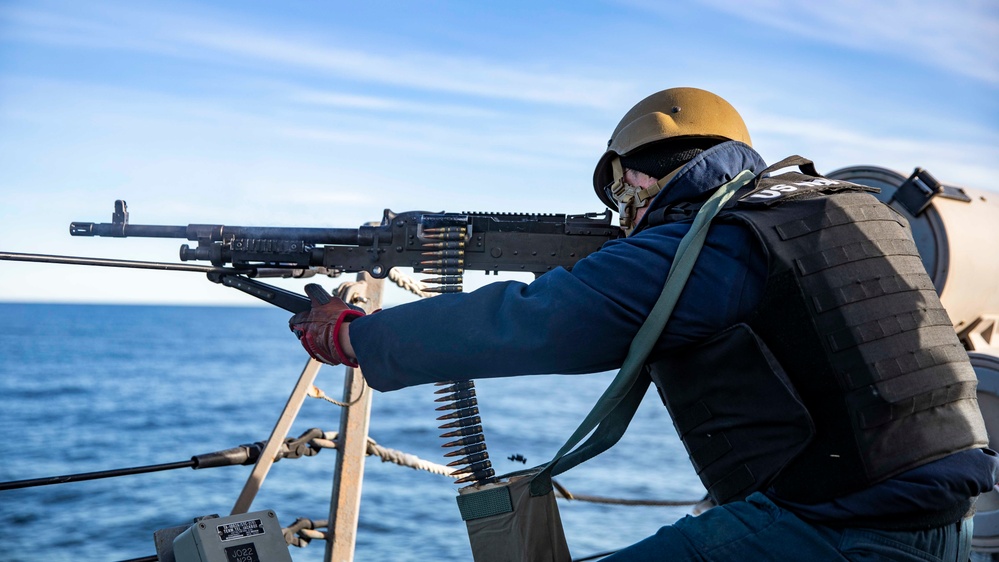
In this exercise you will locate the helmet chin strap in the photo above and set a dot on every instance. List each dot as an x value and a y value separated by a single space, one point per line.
631 198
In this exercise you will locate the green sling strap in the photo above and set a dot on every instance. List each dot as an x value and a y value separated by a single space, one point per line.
615 408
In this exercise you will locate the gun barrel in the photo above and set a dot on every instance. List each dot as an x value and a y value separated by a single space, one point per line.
119 227
122 230
218 232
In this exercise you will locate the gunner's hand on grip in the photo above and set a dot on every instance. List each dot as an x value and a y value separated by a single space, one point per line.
319 328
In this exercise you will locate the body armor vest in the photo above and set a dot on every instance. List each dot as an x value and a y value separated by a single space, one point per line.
849 371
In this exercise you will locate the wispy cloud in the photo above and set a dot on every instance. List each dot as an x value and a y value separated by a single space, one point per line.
48 25
284 112
188 36
959 162
342 100
425 71
961 36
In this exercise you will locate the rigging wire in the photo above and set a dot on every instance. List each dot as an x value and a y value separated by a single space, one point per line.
94 475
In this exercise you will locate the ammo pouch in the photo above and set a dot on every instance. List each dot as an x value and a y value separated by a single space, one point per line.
506 523
516 519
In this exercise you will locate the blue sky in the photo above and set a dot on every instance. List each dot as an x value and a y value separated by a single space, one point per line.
324 113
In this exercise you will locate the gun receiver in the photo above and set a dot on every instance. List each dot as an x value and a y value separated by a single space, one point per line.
434 243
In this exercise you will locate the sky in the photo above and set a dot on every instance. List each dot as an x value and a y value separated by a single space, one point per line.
319 113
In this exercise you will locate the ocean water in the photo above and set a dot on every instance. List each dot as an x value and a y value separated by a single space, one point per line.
92 387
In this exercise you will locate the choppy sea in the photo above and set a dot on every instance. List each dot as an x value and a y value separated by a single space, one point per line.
87 388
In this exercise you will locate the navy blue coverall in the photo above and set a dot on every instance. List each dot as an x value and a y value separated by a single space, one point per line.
582 321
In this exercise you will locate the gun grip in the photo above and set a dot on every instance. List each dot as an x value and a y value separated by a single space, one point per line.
317 293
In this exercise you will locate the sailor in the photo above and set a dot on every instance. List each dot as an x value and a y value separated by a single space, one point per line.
808 366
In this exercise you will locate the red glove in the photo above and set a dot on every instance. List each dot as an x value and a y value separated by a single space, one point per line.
318 328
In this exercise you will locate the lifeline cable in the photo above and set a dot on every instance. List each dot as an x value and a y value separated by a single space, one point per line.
308 444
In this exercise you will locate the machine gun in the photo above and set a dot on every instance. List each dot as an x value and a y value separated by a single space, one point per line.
441 244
